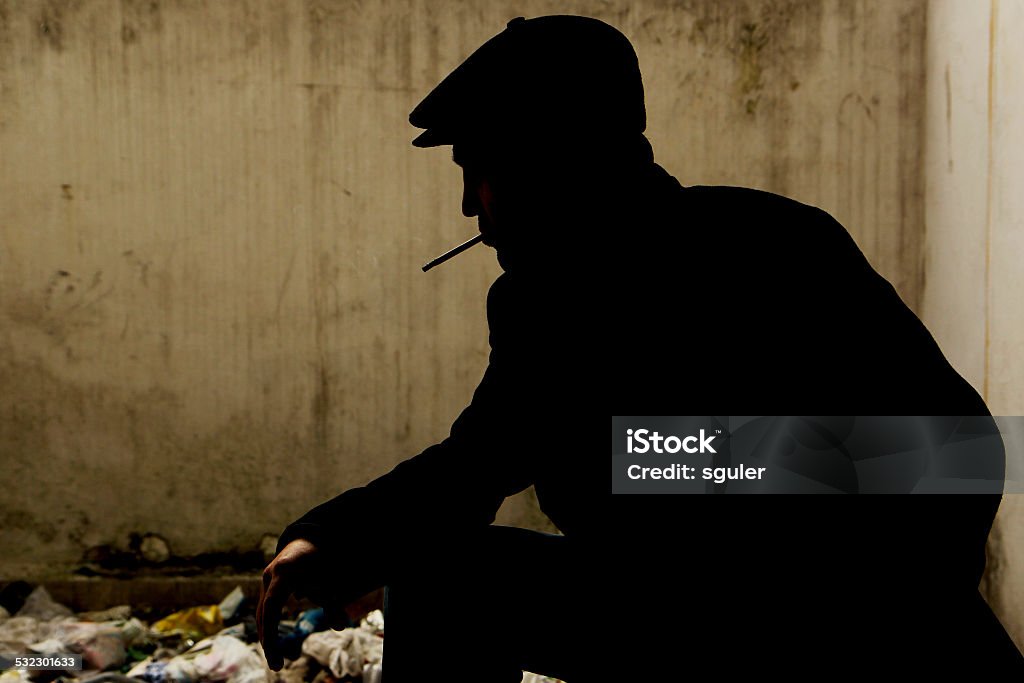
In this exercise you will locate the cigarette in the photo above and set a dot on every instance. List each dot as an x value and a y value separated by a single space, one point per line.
453 252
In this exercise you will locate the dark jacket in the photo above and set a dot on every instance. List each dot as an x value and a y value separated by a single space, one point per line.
665 300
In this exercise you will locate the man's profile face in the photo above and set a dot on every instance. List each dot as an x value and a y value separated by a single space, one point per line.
477 195
508 198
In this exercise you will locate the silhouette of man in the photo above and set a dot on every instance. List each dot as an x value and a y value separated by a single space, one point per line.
624 293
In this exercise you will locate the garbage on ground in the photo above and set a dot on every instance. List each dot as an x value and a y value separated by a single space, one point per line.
101 645
150 670
347 652
193 645
39 605
14 676
195 622
310 621
134 633
373 673
17 632
220 658
230 604
202 644
298 671
48 647
112 614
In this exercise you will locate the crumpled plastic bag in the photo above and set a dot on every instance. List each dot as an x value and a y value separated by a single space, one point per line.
347 652
39 605
231 602
374 621
22 631
133 631
101 645
221 658
372 673
50 646
196 622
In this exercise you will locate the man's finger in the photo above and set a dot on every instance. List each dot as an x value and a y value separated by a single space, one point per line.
259 605
274 596
259 613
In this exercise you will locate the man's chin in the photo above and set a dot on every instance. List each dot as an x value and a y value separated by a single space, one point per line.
503 258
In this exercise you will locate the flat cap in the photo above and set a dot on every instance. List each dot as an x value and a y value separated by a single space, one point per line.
553 77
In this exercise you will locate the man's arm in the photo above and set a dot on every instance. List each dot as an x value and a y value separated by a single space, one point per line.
457 484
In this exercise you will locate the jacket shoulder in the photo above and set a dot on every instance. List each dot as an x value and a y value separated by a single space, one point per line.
746 202
769 223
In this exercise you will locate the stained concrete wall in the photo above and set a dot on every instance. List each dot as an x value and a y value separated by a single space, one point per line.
211 310
975 225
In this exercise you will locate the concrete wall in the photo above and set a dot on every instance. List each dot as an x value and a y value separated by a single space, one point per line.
211 310
975 225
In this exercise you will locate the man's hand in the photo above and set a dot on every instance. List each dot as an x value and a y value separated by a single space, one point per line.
299 569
